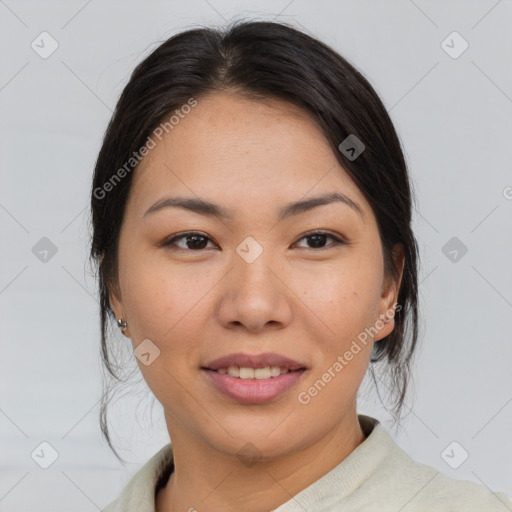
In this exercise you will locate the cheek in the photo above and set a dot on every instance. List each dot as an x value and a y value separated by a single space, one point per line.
342 298
342 304
168 304
168 308
345 306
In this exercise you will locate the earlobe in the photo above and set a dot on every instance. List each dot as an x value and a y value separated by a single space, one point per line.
121 323
117 308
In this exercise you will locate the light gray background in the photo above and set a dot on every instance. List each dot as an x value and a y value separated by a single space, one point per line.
454 118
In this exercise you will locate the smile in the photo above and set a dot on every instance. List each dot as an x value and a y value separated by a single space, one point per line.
244 372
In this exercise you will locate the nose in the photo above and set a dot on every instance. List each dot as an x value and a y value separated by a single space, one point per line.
254 297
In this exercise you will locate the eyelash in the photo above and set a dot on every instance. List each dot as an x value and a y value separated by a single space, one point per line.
170 242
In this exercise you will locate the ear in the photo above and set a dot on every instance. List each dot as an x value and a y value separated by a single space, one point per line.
389 294
116 304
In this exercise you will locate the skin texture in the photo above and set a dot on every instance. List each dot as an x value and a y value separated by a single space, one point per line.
303 302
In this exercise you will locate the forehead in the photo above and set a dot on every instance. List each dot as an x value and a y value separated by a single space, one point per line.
232 146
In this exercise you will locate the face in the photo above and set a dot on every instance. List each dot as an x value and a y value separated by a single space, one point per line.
254 280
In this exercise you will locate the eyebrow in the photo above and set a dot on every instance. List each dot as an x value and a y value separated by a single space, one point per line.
208 208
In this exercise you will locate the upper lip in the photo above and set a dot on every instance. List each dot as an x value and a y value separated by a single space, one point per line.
254 361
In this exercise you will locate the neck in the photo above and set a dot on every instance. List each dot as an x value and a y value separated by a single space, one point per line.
208 480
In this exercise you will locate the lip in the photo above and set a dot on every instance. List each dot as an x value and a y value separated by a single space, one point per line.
253 391
254 361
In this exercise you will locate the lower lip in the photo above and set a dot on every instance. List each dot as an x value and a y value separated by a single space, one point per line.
254 391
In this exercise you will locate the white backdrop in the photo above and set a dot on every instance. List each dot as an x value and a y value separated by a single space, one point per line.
452 107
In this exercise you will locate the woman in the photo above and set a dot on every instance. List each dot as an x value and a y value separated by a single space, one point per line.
252 225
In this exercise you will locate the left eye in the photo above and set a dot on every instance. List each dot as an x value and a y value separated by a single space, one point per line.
317 238
197 241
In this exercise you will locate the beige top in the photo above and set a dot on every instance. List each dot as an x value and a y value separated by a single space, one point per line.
377 475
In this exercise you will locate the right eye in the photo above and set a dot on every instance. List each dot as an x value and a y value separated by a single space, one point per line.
193 241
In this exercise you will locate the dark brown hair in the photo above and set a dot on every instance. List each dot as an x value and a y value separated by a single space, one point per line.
262 60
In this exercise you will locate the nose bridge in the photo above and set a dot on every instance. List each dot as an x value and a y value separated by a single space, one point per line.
253 295
252 264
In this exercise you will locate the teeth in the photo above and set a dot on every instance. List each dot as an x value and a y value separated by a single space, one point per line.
275 371
243 372
246 373
262 373
234 371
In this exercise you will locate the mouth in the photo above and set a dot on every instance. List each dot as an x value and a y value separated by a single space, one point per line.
249 362
250 379
247 373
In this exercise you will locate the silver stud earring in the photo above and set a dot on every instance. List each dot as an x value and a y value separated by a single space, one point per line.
122 324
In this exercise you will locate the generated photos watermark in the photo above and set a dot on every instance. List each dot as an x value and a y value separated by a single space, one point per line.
158 133
305 397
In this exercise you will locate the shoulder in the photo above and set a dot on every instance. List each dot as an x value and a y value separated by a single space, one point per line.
379 475
431 489
416 486
139 493
447 494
